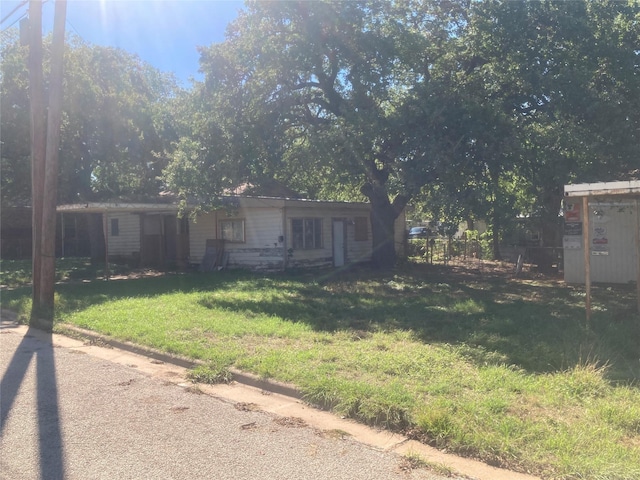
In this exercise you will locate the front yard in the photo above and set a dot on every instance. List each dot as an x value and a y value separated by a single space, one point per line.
465 357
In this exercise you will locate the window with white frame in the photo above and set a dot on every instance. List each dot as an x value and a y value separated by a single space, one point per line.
232 230
306 233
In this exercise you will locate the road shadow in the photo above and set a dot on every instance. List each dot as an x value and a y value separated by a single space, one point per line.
36 346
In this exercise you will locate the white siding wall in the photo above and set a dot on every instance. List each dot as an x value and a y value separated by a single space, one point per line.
264 227
202 229
261 248
317 256
127 242
359 251
619 266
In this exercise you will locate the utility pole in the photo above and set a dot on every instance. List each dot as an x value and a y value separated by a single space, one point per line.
45 139
50 195
38 146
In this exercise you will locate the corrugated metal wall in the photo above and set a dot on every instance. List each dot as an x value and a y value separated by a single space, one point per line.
613 230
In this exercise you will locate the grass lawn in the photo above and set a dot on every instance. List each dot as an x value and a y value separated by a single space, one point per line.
466 357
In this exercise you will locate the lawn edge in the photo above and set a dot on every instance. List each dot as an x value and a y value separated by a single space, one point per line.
239 376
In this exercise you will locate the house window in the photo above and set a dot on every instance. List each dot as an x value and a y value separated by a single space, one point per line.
115 227
306 233
232 230
361 229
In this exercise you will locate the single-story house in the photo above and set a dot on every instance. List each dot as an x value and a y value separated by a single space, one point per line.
611 226
250 232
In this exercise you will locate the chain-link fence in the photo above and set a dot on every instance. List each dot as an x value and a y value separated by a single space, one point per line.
441 250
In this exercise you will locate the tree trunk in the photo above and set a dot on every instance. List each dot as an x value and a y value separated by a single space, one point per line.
383 216
550 232
382 230
495 235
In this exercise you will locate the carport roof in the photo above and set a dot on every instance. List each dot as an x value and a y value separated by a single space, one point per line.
113 207
629 188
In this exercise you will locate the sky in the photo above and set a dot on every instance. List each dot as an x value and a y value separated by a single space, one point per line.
164 33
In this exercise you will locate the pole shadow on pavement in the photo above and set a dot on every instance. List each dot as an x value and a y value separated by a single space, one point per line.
37 344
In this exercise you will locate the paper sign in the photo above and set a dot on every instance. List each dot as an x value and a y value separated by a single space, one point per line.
572 212
573 228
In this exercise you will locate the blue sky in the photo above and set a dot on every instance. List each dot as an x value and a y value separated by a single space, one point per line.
164 33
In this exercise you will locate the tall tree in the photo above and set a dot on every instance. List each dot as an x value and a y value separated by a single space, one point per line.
540 94
567 74
15 181
118 123
303 89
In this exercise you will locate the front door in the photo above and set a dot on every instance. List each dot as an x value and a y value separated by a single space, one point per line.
338 243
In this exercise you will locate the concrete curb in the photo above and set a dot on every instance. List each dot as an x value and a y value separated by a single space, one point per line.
238 375
286 401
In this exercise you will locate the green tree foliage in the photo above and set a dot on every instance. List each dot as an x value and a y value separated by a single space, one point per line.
315 94
117 123
542 94
14 113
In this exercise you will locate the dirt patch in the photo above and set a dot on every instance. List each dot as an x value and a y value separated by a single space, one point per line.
290 422
135 274
247 407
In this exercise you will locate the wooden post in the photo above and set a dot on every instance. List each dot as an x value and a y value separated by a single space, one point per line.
587 257
105 229
163 243
38 146
638 253
464 236
433 246
285 253
62 234
54 120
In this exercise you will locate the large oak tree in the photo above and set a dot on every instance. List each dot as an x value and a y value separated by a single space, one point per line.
318 95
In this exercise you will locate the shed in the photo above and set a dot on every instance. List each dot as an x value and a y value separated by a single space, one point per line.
602 234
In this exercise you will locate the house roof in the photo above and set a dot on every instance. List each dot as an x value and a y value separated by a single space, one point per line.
228 201
629 188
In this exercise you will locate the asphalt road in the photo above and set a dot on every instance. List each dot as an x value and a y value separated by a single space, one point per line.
69 414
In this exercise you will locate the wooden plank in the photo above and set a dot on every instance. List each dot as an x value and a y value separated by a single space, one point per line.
587 257
637 202
105 230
